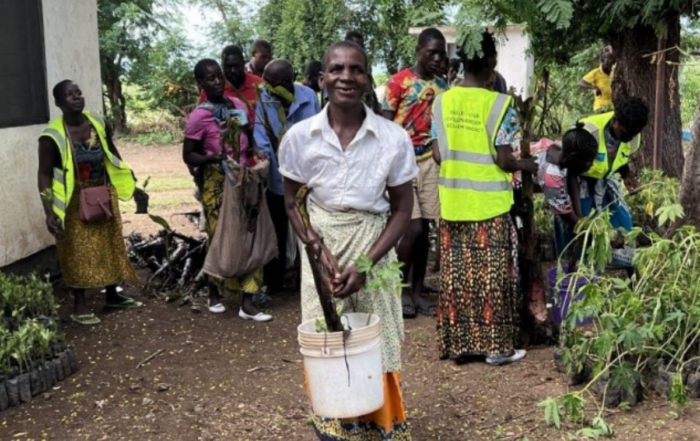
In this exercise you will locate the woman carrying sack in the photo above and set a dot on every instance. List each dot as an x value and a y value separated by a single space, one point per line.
205 150
81 176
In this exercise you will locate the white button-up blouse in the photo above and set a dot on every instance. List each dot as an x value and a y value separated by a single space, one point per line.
380 156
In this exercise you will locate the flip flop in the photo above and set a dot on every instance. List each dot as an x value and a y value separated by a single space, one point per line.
127 303
85 319
424 307
408 308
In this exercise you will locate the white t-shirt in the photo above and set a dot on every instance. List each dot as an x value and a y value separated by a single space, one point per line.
380 156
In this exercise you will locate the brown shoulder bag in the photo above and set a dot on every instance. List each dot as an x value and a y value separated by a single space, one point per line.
95 202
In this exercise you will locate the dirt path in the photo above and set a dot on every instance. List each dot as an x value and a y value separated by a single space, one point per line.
221 378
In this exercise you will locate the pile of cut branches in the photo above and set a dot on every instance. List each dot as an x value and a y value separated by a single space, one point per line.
175 261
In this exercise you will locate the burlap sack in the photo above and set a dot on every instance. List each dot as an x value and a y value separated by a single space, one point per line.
245 238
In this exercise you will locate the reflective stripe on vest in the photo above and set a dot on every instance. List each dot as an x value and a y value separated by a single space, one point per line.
593 130
63 183
468 184
58 176
601 168
97 117
59 203
495 117
635 143
58 138
472 186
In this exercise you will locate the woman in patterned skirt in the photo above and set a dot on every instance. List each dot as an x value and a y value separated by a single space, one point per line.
203 151
76 152
475 129
350 158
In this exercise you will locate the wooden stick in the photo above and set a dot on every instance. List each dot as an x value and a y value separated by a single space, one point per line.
149 358
659 103
323 267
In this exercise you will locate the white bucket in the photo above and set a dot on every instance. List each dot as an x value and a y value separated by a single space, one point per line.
333 395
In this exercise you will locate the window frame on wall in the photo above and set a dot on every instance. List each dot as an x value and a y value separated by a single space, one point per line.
23 90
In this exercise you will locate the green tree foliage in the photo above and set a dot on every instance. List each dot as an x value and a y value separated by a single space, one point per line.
689 84
300 30
385 24
232 27
545 19
632 27
269 18
165 75
126 32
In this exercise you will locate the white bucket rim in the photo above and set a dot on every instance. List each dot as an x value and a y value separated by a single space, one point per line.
333 341
339 352
374 322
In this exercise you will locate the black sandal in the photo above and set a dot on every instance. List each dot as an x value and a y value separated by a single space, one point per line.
407 307
426 308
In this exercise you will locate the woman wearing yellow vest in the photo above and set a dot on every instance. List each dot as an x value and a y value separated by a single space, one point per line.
618 136
475 130
76 152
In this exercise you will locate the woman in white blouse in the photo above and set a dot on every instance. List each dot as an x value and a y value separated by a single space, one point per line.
352 159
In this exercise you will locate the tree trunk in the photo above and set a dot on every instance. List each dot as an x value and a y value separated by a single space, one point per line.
690 197
636 76
117 102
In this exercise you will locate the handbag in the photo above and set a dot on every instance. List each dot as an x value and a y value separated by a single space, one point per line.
95 202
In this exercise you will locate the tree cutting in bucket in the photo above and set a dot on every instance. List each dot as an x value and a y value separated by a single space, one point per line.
342 350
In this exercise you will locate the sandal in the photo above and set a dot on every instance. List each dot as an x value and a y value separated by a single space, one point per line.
499 360
407 307
126 303
89 319
427 308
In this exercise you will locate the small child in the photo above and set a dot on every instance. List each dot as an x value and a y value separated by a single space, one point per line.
560 167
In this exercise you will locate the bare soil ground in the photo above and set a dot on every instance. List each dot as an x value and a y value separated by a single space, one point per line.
221 378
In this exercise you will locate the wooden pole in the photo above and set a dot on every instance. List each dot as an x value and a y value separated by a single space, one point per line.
659 104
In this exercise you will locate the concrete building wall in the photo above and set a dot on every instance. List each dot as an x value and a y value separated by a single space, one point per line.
71 50
514 63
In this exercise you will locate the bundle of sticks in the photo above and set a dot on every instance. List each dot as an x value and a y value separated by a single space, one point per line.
175 260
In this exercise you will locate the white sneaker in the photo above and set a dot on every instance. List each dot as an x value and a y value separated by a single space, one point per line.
517 355
259 317
219 308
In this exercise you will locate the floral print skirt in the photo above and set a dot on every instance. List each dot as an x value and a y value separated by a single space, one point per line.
93 255
478 310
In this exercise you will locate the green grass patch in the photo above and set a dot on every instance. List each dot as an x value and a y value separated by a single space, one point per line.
170 183
153 138
161 203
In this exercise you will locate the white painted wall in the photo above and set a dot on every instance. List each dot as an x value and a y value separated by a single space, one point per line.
72 52
514 63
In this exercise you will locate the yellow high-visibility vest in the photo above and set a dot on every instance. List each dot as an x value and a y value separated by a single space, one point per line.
595 124
472 186
120 175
